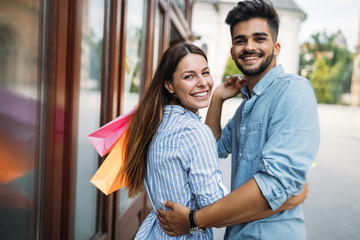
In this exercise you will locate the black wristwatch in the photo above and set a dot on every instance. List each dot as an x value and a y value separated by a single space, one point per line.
192 222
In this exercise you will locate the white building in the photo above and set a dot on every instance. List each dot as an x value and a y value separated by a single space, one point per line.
355 80
208 22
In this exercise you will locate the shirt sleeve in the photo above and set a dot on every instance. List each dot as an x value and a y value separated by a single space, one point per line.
293 140
205 179
224 143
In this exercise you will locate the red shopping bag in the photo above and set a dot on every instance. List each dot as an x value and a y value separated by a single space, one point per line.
105 138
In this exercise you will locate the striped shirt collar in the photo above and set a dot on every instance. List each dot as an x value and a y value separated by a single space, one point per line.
168 109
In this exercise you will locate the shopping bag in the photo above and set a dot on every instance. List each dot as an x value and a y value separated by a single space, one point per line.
105 138
108 178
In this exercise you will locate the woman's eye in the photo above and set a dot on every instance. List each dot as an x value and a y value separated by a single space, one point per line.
206 73
188 76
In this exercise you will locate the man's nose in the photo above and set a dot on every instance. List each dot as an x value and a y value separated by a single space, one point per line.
250 45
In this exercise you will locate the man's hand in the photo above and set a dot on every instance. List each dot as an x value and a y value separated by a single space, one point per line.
230 88
175 222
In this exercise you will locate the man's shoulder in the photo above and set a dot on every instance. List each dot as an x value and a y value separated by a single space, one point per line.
293 79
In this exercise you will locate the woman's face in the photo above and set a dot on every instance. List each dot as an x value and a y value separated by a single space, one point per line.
192 83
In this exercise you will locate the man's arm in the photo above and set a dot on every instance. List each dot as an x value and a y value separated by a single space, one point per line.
247 200
230 88
244 204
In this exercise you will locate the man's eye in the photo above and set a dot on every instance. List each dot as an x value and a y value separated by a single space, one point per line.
239 41
260 39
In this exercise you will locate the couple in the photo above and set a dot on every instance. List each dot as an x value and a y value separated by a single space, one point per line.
273 138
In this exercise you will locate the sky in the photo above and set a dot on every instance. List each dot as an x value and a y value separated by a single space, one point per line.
331 16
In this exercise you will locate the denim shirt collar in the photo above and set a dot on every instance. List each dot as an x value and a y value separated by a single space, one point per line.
264 83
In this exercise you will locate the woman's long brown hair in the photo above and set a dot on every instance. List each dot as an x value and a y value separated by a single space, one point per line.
148 115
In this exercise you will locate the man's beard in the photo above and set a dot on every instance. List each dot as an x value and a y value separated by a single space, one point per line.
258 70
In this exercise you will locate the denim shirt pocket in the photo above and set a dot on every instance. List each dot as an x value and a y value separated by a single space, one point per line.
252 143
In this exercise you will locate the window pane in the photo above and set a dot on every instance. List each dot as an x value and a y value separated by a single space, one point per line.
175 36
181 4
89 116
19 121
157 36
133 67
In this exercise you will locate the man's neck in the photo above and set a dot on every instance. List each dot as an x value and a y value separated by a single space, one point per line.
253 80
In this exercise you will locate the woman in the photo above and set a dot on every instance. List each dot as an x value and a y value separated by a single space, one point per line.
170 151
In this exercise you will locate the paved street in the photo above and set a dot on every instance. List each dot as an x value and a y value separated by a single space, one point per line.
332 209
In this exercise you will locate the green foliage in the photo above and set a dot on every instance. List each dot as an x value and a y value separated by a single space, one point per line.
230 69
320 81
328 66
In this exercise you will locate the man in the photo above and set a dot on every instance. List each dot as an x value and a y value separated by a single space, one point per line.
273 138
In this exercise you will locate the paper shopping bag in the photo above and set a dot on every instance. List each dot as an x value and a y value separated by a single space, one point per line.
107 178
105 138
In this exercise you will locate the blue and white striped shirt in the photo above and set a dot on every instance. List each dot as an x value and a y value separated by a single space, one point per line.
183 167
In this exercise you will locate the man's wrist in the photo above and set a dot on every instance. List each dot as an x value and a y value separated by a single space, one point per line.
193 226
199 220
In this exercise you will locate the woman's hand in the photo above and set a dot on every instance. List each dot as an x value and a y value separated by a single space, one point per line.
297 199
230 88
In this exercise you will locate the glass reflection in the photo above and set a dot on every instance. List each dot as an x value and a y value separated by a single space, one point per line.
19 82
134 55
89 116
181 4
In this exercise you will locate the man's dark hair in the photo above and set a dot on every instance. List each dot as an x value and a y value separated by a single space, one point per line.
248 9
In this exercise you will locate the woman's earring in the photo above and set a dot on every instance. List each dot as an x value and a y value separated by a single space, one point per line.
171 91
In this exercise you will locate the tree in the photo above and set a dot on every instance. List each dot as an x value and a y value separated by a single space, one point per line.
333 52
230 69
320 81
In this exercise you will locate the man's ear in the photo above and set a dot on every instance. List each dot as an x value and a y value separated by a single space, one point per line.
231 53
168 86
277 48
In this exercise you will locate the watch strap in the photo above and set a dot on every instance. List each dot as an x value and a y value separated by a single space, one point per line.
192 221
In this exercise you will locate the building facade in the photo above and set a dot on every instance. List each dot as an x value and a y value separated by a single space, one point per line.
66 68
355 79
209 24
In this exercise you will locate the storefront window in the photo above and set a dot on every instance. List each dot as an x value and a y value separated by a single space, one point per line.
181 4
133 67
159 25
89 116
19 111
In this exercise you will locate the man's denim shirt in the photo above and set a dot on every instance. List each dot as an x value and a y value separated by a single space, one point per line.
273 137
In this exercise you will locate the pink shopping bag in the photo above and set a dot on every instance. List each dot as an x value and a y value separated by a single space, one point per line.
105 138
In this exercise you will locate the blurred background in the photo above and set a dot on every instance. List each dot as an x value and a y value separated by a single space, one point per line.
68 67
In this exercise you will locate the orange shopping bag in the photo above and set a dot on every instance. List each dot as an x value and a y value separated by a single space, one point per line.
107 178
